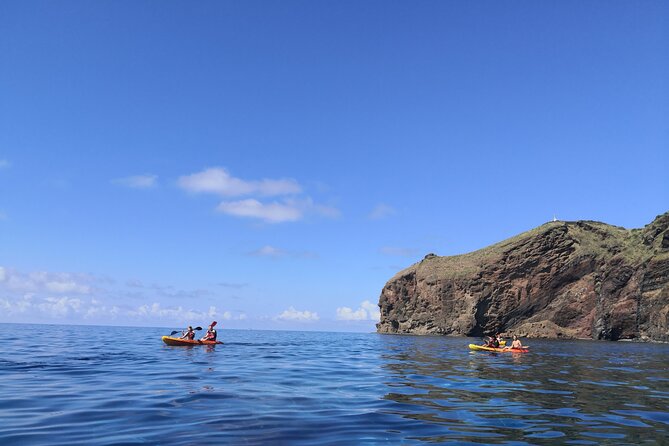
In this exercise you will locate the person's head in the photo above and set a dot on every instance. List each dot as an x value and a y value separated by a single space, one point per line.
190 328
515 338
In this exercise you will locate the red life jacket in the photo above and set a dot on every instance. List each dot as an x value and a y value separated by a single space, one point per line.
211 335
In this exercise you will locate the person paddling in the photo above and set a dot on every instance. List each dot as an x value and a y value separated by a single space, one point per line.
211 333
515 344
492 342
188 334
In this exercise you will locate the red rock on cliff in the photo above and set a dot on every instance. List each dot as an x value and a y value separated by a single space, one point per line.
578 279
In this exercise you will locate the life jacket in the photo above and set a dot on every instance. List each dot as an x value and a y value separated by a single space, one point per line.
211 334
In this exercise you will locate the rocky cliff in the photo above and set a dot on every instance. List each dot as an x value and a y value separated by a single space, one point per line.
580 279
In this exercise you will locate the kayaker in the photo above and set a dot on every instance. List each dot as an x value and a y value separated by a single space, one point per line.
211 333
515 344
188 334
492 342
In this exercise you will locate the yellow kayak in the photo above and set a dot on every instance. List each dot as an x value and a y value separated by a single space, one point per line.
498 350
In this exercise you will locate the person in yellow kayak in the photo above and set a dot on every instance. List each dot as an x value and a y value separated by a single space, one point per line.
188 334
211 333
492 342
515 344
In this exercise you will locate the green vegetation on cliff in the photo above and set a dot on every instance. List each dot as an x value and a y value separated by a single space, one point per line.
580 279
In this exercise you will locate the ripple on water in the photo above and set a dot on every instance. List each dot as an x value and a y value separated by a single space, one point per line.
327 388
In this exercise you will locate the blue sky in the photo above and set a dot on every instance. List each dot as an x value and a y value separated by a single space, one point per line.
273 164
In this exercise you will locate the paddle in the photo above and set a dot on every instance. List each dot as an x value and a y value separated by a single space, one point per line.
177 331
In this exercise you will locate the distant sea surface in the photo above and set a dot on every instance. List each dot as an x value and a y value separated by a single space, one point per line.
77 385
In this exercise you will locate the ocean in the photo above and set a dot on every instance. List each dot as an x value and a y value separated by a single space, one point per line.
80 385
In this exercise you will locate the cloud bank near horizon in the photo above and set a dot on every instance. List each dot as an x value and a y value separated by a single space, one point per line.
78 298
367 311
74 297
291 314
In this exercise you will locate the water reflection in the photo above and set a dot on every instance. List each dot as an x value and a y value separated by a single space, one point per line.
326 388
587 393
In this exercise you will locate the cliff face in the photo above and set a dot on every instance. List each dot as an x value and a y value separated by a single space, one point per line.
563 279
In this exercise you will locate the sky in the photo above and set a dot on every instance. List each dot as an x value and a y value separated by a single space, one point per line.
271 165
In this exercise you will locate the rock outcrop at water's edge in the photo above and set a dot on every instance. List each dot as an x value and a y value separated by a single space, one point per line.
580 279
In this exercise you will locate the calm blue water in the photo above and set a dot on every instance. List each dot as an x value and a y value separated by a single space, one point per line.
107 385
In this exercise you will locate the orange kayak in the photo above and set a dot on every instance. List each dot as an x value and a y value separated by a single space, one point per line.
499 350
176 341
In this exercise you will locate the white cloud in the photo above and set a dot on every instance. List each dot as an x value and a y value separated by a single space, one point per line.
16 306
60 306
145 181
366 312
307 206
218 181
179 313
78 308
175 293
271 251
394 251
56 307
58 283
41 296
236 285
211 312
268 251
67 286
348 314
101 311
291 314
230 316
271 213
290 208
381 211
372 310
